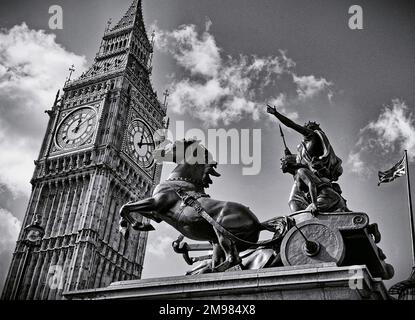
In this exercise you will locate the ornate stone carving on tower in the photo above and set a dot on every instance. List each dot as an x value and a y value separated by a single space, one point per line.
95 157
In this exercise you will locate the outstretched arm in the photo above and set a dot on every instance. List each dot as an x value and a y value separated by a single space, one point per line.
288 122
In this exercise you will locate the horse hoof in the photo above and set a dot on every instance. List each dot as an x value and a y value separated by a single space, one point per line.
137 226
230 263
125 233
147 228
202 271
143 227
123 223
224 266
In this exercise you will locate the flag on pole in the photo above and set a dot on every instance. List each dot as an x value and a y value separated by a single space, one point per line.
398 170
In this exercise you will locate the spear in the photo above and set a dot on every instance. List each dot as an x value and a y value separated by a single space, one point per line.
287 151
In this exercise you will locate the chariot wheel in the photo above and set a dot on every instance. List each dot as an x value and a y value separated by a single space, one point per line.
312 242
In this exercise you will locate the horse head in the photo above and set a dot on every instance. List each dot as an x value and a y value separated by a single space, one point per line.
194 161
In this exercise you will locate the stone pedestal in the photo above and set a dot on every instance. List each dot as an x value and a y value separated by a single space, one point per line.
311 282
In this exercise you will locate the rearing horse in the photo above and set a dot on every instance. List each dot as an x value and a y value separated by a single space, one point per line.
192 176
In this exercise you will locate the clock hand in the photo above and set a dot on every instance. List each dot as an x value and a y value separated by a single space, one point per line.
81 123
140 144
86 120
75 130
146 144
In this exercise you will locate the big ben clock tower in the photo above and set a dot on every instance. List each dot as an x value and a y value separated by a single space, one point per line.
95 157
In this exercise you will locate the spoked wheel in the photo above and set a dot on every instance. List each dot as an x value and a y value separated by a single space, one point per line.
312 242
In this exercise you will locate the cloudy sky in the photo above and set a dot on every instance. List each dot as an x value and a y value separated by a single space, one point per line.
222 61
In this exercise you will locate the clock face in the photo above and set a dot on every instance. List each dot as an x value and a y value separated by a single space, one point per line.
77 128
140 143
34 235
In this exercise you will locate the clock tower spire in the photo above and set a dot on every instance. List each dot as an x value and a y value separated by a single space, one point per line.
96 156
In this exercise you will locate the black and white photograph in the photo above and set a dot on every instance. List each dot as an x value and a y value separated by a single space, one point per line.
201 150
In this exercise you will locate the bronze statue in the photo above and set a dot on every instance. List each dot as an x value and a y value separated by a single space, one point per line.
315 150
181 201
319 191
231 230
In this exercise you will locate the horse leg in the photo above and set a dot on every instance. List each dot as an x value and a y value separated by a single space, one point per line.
230 251
145 208
218 256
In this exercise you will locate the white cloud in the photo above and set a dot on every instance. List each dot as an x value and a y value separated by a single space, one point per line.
395 128
9 231
200 55
280 103
159 245
32 68
310 86
221 88
357 165
16 161
381 142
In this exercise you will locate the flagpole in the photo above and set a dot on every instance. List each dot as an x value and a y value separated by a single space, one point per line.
411 214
